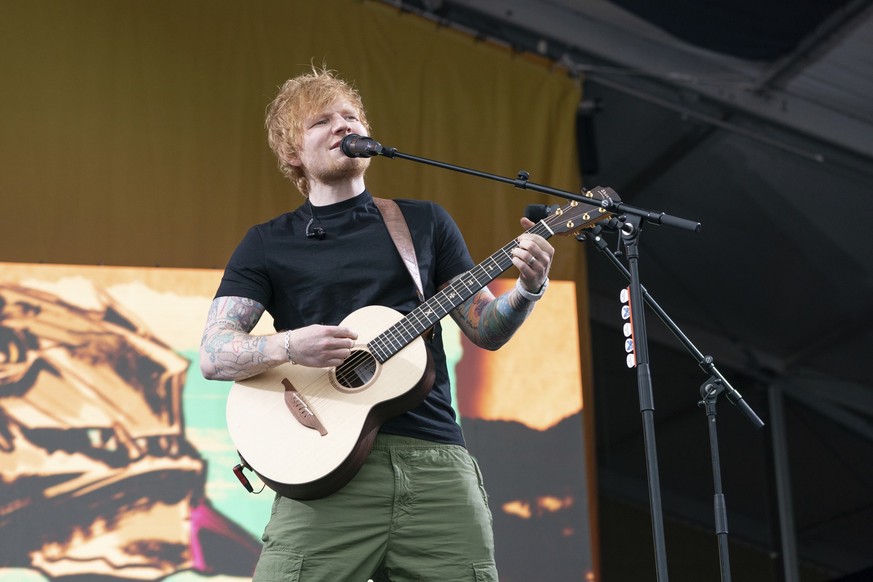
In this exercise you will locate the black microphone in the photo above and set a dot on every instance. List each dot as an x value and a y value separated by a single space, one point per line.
317 233
537 212
358 146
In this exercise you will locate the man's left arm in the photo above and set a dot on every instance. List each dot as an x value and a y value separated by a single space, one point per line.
490 321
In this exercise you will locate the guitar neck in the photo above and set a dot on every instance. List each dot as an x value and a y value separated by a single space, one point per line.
423 317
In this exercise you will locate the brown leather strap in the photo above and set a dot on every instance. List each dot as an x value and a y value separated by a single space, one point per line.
399 231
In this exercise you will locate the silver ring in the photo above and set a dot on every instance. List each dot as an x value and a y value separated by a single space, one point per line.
532 261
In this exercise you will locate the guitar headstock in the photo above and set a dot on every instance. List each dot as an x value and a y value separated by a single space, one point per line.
575 216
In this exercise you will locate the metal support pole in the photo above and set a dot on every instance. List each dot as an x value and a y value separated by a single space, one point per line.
782 477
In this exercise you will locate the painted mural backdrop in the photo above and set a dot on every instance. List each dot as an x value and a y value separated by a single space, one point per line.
115 463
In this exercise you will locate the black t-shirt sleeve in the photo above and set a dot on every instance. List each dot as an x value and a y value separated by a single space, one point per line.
246 272
452 256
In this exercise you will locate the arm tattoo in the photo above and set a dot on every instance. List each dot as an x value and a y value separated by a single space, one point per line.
237 312
228 351
490 322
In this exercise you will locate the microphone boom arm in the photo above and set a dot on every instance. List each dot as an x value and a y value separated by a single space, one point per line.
522 182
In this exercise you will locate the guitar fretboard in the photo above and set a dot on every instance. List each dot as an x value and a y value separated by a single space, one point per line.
423 317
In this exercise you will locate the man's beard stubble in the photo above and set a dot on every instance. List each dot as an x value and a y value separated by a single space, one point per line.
345 169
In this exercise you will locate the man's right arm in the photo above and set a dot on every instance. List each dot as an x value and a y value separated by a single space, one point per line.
228 351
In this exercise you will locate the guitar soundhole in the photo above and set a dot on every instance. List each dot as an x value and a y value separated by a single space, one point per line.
357 371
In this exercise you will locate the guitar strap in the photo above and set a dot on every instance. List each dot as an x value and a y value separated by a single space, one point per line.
399 231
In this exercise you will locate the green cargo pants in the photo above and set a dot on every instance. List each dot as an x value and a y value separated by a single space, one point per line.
417 510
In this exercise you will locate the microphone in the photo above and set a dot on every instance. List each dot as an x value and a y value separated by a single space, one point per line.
317 233
537 212
358 146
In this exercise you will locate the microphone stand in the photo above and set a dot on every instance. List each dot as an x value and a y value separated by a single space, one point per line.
630 233
710 390
632 219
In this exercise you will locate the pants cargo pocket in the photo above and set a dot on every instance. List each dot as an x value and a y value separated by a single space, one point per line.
485 571
278 565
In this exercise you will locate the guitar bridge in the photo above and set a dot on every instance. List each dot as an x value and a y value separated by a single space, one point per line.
300 408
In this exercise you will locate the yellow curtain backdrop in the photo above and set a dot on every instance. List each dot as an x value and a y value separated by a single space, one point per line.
133 131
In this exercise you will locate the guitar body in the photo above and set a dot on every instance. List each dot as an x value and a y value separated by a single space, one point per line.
307 431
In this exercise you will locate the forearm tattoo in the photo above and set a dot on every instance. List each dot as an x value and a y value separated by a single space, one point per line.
491 323
228 351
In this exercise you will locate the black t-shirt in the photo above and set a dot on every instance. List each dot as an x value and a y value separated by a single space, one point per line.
303 281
